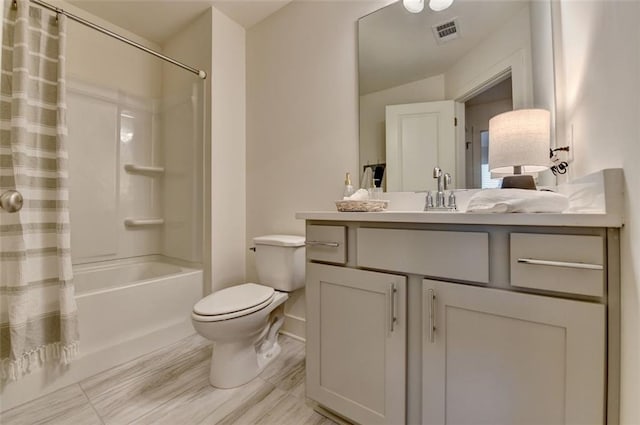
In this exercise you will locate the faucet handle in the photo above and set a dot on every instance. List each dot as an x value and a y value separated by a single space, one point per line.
428 202
447 180
437 172
451 202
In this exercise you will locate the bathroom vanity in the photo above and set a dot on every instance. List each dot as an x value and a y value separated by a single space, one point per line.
457 318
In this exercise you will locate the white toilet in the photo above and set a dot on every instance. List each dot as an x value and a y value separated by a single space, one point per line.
242 321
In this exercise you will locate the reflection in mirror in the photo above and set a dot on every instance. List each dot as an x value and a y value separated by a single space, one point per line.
429 82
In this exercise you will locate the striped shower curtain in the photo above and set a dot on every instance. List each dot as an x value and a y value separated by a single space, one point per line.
38 316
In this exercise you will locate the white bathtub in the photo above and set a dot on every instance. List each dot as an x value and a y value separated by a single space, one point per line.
92 279
125 309
126 302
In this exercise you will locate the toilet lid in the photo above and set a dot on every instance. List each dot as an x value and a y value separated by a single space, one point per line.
279 240
233 299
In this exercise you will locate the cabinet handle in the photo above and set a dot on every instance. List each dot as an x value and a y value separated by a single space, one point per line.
560 264
432 315
392 306
322 243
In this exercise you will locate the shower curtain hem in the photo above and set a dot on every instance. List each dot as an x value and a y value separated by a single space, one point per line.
14 369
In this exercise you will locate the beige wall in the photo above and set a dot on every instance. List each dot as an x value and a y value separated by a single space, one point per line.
228 154
600 54
542 58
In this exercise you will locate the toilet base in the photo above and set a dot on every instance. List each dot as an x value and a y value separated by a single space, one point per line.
235 363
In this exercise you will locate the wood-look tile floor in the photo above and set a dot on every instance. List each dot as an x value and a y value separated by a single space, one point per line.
171 386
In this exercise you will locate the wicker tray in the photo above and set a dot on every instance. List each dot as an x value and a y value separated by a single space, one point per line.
370 205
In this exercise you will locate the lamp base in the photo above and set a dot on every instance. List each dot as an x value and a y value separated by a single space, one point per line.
519 182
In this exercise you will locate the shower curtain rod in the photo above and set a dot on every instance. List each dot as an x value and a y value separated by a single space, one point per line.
200 73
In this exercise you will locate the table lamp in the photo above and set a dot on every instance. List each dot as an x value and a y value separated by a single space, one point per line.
519 143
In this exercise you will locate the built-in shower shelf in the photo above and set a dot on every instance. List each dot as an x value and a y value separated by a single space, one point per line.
143 169
142 222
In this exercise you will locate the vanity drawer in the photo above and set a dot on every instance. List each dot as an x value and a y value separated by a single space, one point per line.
446 254
562 263
327 243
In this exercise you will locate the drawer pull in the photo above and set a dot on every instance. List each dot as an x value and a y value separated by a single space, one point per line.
560 264
322 243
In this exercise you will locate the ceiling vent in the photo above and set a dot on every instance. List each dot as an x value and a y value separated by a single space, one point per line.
446 31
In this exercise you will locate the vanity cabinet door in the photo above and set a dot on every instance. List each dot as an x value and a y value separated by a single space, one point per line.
356 343
497 357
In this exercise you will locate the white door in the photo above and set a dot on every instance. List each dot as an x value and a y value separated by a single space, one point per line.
497 357
356 353
420 136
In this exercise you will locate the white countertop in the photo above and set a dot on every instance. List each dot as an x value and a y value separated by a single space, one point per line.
539 219
596 201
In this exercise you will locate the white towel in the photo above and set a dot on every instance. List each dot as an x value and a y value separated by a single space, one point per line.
517 201
359 195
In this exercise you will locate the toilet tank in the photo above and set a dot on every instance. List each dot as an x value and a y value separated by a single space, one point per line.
280 261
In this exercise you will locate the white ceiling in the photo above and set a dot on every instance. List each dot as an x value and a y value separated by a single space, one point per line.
248 13
397 47
158 20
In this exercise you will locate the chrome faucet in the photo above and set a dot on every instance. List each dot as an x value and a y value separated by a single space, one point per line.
441 201
437 174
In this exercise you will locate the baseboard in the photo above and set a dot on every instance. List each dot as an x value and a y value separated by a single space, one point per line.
290 335
294 327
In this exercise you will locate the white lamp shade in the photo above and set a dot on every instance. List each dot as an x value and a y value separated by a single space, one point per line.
519 138
413 6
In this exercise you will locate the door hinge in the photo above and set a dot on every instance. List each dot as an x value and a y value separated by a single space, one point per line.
455 121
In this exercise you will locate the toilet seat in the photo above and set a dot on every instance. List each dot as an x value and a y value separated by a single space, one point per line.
233 302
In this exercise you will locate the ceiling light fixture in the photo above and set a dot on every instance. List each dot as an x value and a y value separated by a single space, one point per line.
438 5
414 6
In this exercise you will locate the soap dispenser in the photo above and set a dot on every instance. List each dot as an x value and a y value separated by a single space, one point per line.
348 187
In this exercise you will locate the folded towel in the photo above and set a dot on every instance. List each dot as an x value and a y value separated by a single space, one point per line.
517 201
359 195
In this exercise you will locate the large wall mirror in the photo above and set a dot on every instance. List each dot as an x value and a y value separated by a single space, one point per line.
430 81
